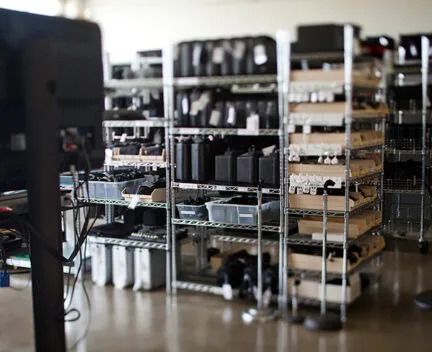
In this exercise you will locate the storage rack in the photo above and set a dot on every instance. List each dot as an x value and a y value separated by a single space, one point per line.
288 86
412 147
349 119
133 87
170 84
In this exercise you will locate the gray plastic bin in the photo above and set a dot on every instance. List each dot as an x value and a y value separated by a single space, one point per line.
219 211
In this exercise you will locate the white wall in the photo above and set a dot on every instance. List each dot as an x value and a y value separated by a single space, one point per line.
130 25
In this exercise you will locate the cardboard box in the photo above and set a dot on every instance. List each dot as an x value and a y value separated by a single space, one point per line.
312 289
360 78
370 245
158 195
339 108
359 139
141 157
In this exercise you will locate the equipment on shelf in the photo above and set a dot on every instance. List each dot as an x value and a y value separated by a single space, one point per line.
155 234
114 229
225 57
269 170
226 167
247 167
324 38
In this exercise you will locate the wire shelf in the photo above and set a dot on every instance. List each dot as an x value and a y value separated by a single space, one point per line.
126 242
404 146
339 213
224 225
316 274
121 202
209 187
368 147
136 164
306 240
216 81
367 178
408 186
224 131
244 240
134 123
198 287
134 83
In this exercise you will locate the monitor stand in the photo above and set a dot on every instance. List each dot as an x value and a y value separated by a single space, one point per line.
42 151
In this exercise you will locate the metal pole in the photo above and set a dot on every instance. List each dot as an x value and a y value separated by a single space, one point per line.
425 73
260 304
283 76
168 90
348 64
41 121
324 256
283 41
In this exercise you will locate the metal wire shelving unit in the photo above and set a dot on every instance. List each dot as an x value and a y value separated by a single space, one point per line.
399 148
378 122
133 87
246 82
280 236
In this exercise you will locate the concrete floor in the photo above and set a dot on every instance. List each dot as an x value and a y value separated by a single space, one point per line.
383 319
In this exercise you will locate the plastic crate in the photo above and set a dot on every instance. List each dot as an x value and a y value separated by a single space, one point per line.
192 212
111 190
219 211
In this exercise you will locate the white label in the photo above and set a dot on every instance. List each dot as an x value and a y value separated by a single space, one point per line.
215 118
187 212
218 55
239 49
313 191
227 292
291 128
252 124
307 129
196 55
195 108
146 97
299 190
306 189
134 201
123 138
292 189
108 155
245 215
260 55
231 116
185 105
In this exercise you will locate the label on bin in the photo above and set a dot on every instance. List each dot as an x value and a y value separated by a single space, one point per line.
187 212
245 215
123 138
134 201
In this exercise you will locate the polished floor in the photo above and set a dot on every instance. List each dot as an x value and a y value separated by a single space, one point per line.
383 319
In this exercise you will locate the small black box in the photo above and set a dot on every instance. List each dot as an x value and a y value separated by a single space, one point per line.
322 38
226 167
183 161
247 168
269 170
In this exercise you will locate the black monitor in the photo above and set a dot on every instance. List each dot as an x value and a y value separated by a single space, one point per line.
51 80
78 84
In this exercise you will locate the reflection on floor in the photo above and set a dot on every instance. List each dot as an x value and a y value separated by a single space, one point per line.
384 319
